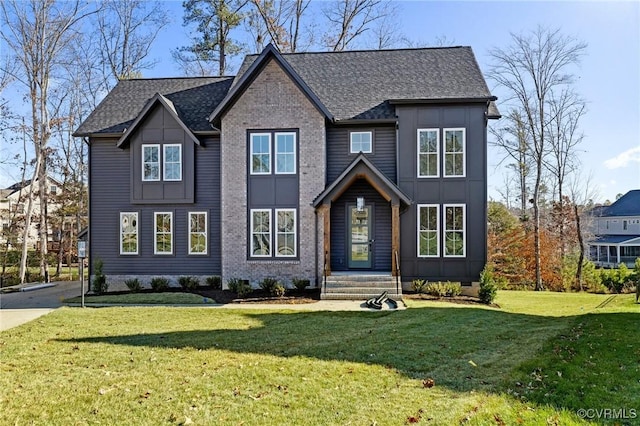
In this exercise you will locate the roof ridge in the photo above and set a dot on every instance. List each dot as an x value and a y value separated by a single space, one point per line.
399 49
199 77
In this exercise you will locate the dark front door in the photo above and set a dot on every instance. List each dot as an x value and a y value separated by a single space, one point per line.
360 225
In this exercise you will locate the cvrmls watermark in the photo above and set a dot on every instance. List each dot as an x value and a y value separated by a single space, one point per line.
607 413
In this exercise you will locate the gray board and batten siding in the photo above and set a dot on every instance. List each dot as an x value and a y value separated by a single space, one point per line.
470 190
110 177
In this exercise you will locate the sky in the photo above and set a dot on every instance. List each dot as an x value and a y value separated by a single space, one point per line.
608 77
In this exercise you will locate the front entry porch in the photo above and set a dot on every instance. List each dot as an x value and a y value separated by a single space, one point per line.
360 285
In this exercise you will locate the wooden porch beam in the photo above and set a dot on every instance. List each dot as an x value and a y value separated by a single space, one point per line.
326 216
395 237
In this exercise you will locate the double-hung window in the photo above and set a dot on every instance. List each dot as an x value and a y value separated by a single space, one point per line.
163 233
128 233
285 148
151 162
260 153
428 230
286 232
198 233
172 162
454 230
428 152
454 152
260 233
361 142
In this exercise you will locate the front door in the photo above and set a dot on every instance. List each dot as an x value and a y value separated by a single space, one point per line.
359 237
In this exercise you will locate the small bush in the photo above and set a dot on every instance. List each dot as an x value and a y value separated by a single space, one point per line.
241 287
300 283
488 289
188 283
99 284
440 289
133 285
268 284
159 283
278 290
214 282
419 286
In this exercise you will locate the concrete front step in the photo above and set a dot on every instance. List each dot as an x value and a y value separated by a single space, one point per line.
354 296
360 286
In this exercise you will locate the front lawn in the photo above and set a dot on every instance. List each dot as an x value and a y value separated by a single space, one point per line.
534 362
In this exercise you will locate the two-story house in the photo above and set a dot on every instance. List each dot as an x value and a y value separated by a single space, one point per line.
617 232
305 165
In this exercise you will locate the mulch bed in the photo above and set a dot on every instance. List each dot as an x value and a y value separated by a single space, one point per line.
462 300
292 297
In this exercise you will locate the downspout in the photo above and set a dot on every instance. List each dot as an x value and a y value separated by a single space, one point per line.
315 245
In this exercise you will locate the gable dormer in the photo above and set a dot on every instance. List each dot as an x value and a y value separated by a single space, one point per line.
161 150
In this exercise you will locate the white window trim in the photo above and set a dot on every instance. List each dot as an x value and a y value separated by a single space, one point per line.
130 253
251 171
251 246
295 233
164 161
445 230
206 234
275 148
156 145
437 230
437 154
445 152
155 233
360 133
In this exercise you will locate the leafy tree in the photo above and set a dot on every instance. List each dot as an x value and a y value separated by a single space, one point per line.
214 20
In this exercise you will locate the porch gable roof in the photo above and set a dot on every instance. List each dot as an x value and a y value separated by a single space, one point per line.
362 168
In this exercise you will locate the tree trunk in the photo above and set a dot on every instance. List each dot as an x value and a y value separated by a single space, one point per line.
581 245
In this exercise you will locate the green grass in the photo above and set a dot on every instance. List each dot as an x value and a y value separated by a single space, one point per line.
163 365
145 299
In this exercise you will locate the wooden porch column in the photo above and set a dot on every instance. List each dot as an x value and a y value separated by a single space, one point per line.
326 216
395 237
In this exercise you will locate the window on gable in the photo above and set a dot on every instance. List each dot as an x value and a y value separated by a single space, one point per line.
163 233
260 153
129 233
454 152
428 232
198 233
172 162
285 148
53 189
428 150
361 142
454 230
151 162
286 232
261 232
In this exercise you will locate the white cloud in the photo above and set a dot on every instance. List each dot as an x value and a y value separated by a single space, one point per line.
623 159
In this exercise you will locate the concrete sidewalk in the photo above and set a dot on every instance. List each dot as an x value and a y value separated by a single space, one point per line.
10 318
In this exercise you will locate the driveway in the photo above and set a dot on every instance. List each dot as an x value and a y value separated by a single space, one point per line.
23 306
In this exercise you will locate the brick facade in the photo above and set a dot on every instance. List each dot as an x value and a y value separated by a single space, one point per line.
271 101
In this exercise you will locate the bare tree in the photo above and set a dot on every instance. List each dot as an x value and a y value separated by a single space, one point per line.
565 111
581 193
127 30
513 139
531 68
281 23
214 21
37 32
349 19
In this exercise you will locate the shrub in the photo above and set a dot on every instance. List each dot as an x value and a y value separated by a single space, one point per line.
99 284
300 283
188 283
267 284
278 290
488 289
214 282
133 285
241 287
419 286
159 283
440 289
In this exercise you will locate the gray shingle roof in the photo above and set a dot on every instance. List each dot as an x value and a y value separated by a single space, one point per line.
627 205
359 84
194 99
356 85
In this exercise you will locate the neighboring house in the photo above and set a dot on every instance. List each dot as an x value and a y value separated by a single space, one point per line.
303 165
617 232
13 207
